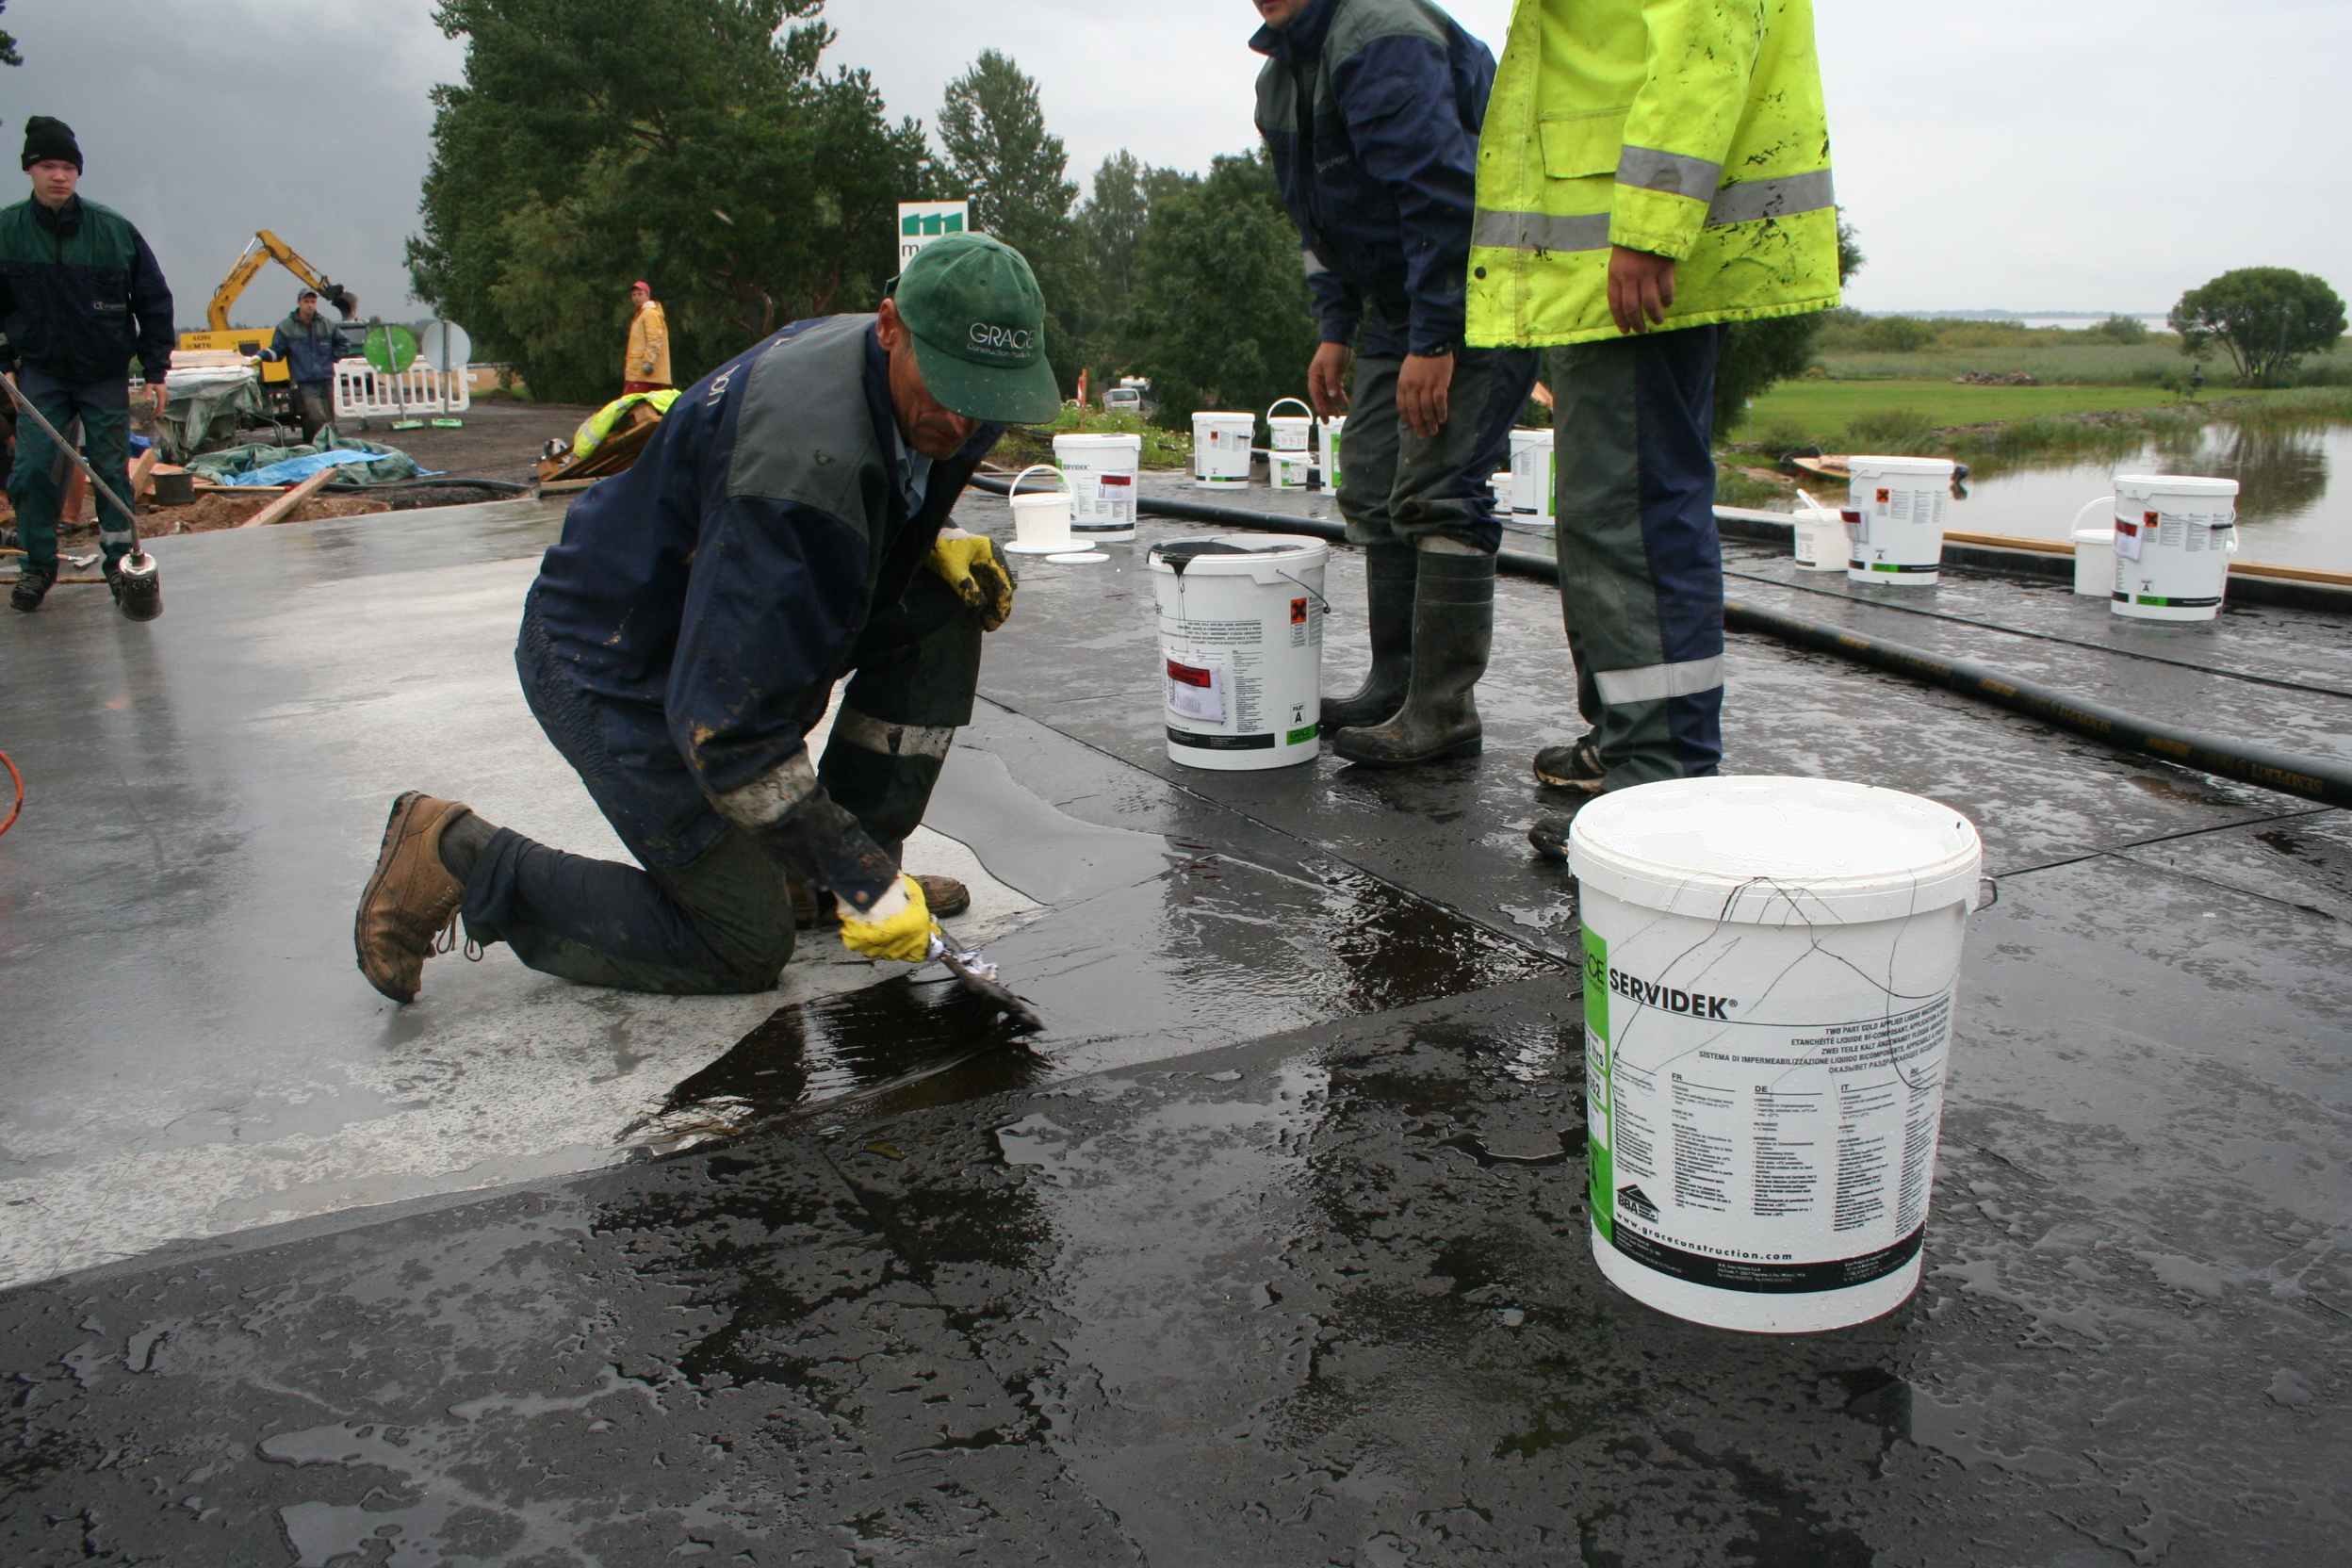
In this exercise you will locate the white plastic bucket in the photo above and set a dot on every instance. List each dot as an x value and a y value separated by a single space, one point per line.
2095 556
1241 648
1100 471
1531 474
1820 539
2174 536
1221 445
1040 519
1288 470
1769 968
1500 485
1895 516
1327 437
1289 432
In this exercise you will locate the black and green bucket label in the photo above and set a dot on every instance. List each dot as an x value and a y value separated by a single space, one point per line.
1597 1097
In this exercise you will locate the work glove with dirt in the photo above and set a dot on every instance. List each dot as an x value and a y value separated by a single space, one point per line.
982 579
899 926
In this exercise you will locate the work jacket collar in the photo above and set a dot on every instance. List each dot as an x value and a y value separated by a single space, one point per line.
1303 38
65 220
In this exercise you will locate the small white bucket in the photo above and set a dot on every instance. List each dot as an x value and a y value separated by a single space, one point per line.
1820 539
2174 536
1500 485
1288 470
1769 968
1101 472
1289 432
1531 475
1040 519
1327 434
2094 554
1241 648
1221 445
1895 518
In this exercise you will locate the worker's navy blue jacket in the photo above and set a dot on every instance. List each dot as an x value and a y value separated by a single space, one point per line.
707 600
309 352
1382 178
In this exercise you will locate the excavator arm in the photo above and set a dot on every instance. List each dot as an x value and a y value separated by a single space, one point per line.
264 248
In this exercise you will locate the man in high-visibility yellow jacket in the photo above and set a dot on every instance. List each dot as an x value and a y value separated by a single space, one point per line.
1650 171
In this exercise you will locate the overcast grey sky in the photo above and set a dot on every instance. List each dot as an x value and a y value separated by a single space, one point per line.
2026 155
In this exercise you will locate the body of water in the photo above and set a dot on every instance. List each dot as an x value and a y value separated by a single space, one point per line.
2294 496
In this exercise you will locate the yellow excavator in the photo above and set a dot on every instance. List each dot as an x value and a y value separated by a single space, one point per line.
266 248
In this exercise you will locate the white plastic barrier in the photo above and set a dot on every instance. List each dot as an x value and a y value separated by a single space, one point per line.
362 392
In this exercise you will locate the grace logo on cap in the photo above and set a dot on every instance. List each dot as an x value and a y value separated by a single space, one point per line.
1007 342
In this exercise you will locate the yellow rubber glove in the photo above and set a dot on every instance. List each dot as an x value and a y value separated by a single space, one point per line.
967 563
899 926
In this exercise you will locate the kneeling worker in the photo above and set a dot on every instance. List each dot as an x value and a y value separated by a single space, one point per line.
789 524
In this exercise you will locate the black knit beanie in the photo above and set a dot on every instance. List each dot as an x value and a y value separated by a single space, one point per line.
46 138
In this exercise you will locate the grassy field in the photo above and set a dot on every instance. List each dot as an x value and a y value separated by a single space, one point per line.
1821 412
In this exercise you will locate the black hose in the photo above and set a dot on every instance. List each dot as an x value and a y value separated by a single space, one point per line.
506 486
2313 778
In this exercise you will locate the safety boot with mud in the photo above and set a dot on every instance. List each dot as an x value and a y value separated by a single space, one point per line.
409 910
1576 766
31 588
1453 634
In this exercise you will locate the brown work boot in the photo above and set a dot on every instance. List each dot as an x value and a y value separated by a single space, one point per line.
813 911
409 911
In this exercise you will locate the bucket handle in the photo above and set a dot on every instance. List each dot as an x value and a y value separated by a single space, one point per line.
1036 467
1316 594
1987 895
2103 500
1280 401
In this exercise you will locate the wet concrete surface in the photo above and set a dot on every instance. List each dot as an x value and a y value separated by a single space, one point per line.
1271 1248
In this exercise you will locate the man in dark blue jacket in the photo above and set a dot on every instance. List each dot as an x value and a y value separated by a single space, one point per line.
79 294
788 524
310 346
1371 109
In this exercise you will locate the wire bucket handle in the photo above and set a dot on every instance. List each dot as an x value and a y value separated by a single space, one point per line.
1280 401
1315 594
1035 468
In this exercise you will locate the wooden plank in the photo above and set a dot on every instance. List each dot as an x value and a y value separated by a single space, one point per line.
2011 542
142 471
286 505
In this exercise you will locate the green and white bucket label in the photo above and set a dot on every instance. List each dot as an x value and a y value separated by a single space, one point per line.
1762 1127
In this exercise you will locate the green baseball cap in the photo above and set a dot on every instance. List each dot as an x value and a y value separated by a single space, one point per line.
978 322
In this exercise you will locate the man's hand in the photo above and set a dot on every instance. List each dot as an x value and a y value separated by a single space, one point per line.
158 394
1327 380
1422 389
899 926
967 564
1641 288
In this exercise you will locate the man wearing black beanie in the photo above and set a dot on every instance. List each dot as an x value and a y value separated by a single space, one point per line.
80 293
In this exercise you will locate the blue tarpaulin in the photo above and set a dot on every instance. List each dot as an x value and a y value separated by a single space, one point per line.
296 469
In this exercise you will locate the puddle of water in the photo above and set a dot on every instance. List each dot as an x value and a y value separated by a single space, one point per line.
2294 500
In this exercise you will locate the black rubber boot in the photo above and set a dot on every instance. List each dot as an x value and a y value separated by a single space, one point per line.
31 589
1453 631
1389 573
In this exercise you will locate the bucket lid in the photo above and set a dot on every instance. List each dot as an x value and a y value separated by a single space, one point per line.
1939 467
2095 536
1082 443
1764 851
2178 484
1226 414
1233 550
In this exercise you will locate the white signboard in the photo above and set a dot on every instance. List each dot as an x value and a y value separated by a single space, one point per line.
921 222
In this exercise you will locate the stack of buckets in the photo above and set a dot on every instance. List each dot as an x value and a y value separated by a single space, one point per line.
1288 457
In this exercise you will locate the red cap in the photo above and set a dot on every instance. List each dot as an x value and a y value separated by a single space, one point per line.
644 284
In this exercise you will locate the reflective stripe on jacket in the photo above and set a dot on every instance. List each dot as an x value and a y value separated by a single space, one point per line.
1381 183
1688 128
649 345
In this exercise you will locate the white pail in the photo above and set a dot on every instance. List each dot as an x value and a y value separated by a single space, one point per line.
1288 470
1770 968
1289 432
2094 560
1820 540
2175 535
1221 445
1040 519
1241 648
1327 434
1101 473
1500 486
1895 518
1531 474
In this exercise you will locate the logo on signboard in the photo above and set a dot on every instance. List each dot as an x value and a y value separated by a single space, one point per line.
921 222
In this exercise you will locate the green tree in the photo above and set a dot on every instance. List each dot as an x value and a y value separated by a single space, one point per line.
1757 354
7 45
1221 317
1110 226
2264 318
1015 172
750 186
2119 329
